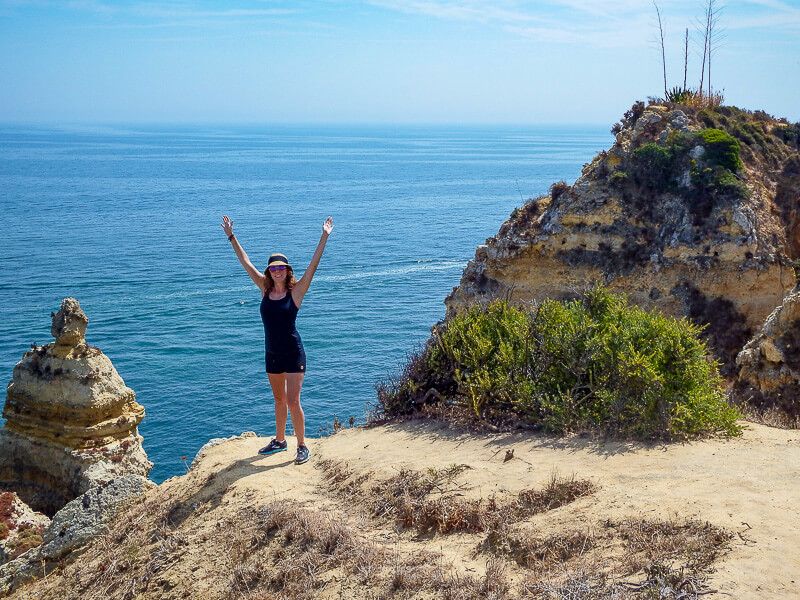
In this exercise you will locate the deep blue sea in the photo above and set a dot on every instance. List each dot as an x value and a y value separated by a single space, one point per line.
127 220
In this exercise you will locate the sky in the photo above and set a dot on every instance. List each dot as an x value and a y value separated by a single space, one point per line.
381 61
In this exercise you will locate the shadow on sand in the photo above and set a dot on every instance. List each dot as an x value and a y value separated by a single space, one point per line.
433 429
214 487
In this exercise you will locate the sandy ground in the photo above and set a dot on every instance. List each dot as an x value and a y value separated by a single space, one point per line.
749 485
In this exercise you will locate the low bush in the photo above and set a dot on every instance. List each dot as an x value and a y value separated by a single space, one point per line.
679 95
722 149
789 134
618 178
592 364
484 352
652 165
558 188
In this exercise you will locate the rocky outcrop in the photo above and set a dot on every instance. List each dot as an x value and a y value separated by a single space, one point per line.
21 527
679 214
71 422
769 365
72 527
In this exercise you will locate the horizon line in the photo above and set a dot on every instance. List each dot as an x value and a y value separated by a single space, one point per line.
255 123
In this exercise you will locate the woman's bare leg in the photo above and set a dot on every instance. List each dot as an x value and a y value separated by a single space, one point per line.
278 384
294 383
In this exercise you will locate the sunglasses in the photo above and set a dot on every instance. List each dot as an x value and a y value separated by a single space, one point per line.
278 268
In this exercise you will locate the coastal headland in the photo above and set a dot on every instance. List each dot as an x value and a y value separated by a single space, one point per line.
579 492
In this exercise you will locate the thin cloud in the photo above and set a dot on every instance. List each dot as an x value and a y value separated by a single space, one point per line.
589 22
153 10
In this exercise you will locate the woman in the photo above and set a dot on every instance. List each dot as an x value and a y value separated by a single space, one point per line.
285 358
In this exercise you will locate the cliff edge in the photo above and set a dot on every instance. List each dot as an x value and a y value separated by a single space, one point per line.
423 510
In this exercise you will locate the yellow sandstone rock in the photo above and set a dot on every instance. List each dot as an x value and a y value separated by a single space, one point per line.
71 422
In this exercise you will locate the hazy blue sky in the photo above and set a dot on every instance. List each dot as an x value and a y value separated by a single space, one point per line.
426 61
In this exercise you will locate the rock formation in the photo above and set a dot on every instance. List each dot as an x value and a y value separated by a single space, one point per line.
77 523
679 214
71 423
20 527
769 366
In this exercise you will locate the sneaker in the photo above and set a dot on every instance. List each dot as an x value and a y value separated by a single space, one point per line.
273 447
302 455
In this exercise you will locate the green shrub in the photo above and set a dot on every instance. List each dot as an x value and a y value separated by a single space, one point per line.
715 183
485 351
722 149
618 178
652 165
594 364
600 363
789 134
679 95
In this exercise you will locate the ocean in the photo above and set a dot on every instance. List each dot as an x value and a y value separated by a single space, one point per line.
127 220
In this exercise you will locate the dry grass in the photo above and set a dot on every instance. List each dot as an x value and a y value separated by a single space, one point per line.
697 544
432 502
537 552
558 492
297 553
251 550
129 558
279 551
672 558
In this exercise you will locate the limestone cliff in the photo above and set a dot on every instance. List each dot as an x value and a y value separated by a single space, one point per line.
692 212
71 422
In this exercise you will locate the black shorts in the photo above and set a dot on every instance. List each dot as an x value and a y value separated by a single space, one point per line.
286 363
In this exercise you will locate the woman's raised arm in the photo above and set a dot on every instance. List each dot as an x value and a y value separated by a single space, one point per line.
301 287
258 278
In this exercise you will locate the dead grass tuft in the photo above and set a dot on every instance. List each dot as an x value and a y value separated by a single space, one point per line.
432 501
573 585
671 558
558 492
406 497
538 552
698 544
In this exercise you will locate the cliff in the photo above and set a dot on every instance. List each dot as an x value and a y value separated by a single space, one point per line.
691 212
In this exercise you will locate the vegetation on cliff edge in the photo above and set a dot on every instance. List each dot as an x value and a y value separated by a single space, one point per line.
592 364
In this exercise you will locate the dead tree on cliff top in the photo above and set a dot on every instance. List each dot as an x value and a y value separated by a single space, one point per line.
663 55
711 39
685 56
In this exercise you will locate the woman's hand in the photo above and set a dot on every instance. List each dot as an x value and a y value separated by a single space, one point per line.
227 226
327 226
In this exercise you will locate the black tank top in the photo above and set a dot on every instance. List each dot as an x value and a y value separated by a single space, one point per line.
280 333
